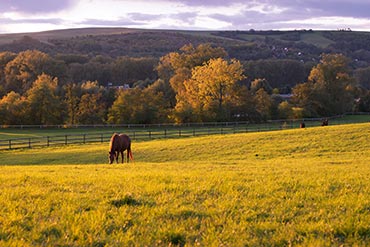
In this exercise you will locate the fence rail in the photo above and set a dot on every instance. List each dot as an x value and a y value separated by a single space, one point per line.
148 132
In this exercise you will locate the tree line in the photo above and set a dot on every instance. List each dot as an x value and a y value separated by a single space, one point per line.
194 84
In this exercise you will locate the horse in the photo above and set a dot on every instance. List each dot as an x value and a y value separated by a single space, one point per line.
325 122
118 144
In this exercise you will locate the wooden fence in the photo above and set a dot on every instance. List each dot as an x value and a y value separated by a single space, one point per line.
142 133
138 135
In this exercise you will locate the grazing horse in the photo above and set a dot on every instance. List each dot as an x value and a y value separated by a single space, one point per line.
118 144
325 122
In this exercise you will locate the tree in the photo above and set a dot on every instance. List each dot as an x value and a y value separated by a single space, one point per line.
331 77
129 70
175 68
91 109
13 109
242 106
280 73
257 84
5 58
72 100
25 68
210 89
362 76
328 90
264 104
285 110
45 107
137 106
304 98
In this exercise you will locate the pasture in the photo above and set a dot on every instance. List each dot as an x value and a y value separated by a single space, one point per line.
301 187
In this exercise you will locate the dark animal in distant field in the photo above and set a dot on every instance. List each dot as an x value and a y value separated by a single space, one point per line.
118 144
302 125
325 122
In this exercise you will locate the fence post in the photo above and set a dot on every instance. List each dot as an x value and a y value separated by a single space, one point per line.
10 144
84 138
150 134
29 142
165 133
101 138
179 132
47 141
66 140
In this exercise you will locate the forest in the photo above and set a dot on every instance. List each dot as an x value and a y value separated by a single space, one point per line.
158 77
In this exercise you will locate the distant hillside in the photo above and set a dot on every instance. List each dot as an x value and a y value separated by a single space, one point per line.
302 45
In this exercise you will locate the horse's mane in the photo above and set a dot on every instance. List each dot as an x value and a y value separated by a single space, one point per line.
113 141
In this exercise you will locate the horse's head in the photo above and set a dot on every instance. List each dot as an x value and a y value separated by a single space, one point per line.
111 157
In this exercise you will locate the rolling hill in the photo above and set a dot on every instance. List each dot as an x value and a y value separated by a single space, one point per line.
303 45
302 187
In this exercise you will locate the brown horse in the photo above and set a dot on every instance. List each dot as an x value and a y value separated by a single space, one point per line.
118 144
325 122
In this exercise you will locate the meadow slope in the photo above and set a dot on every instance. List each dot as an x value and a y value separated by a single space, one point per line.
306 187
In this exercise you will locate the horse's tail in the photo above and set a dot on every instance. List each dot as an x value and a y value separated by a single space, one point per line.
131 156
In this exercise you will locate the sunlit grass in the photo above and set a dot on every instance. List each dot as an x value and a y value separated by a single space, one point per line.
305 187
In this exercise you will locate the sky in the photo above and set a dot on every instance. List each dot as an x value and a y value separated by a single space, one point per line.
18 16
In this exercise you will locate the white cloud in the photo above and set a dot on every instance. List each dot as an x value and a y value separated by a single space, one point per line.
37 15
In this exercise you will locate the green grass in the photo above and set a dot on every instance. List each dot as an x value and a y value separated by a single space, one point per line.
302 187
316 38
16 133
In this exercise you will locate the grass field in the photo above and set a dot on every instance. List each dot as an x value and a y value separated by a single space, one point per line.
302 187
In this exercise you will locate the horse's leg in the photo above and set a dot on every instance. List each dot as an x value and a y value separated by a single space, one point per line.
122 156
117 154
128 155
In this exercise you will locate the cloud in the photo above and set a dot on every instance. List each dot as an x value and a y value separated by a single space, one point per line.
112 23
34 6
188 14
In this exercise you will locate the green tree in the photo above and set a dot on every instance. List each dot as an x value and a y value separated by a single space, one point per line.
304 98
280 73
264 104
129 70
285 110
45 106
329 87
137 106
72 100
91 109
362 76
242 105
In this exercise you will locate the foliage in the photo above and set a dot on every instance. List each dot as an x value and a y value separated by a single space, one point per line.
13 109
264 104
23 70
177 93
137 106
258 83
210 89
280 73
44 104
327 91
299 187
